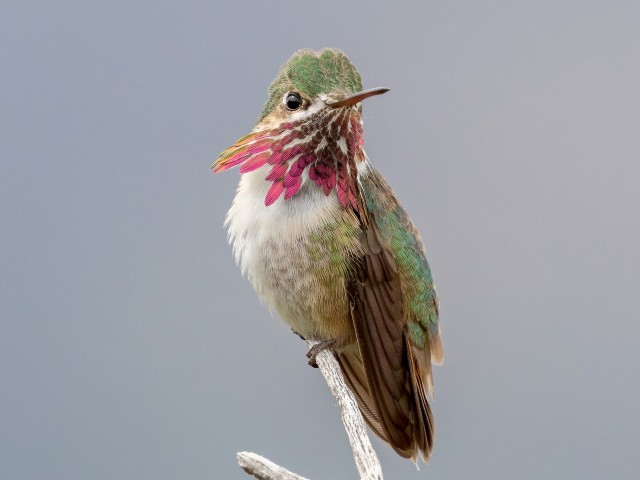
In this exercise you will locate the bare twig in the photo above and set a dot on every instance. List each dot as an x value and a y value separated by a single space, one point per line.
365 457
264 469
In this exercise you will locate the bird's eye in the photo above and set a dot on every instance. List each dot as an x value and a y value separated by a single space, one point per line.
292 101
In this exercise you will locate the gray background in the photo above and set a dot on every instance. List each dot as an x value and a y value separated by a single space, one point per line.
130 346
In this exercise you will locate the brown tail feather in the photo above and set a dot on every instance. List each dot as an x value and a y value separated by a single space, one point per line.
421 383
417 436
353 371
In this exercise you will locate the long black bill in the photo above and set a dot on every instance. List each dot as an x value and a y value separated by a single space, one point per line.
357 97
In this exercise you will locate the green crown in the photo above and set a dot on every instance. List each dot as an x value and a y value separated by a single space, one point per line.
313 73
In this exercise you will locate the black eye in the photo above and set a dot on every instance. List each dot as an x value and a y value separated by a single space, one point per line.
293 101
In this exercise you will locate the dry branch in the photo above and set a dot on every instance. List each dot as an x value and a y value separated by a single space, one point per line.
365 457
264 469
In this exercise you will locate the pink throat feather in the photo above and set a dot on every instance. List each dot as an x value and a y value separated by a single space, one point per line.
327 144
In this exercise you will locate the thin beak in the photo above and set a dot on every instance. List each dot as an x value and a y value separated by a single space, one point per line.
357 97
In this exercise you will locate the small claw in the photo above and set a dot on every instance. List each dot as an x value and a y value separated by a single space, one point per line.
316 349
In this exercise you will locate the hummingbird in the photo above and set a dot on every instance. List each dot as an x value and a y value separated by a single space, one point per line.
322 238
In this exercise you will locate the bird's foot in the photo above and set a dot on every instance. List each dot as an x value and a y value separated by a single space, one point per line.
317 348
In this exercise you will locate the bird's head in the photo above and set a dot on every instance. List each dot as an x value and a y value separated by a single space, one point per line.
310 125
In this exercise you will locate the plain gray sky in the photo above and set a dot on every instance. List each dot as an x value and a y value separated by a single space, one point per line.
130 346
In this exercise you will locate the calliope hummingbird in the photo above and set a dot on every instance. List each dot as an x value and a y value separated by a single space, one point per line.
320 235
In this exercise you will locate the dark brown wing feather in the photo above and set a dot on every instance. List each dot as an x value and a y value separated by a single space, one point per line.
384 372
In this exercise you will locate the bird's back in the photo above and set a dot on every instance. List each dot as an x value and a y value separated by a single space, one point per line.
395 316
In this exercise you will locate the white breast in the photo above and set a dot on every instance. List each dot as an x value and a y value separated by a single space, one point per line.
251 223
269 243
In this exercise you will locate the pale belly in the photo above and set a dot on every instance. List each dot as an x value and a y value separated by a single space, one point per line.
295 253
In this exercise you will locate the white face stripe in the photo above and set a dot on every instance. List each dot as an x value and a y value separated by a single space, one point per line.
314 108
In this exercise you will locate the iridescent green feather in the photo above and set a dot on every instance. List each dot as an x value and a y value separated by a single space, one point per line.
392 221
313 73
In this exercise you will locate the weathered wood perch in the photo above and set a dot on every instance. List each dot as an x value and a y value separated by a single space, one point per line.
264 469
365 457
